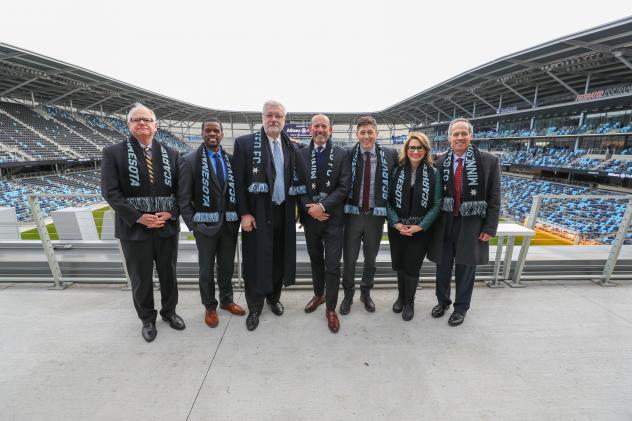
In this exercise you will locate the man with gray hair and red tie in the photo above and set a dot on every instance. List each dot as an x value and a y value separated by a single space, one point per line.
468 218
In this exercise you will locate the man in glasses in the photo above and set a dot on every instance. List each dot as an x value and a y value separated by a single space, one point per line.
324 170
206 195
264 176
139 180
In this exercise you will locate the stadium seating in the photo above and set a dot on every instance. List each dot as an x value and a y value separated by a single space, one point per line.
13 193
611 126
589 219
54 133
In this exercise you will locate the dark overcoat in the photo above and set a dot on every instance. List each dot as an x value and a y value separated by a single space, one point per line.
257 244
469 249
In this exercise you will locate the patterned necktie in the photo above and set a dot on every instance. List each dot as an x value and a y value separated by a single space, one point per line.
458 181
278 196
366 182
219 170
150 165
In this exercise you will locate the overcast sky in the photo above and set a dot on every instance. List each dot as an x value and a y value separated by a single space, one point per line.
312 56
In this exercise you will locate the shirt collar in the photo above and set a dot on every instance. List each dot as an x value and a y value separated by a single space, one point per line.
371 151
212 153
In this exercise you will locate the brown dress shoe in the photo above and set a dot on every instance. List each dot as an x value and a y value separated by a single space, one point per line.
233 309
314 303
332 321
210 318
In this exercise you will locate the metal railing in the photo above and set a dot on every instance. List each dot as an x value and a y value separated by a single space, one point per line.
615 250
90 274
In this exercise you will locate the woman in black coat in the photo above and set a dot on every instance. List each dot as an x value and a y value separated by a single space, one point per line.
414 202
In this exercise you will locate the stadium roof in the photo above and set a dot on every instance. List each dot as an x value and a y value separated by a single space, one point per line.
555 72
55 82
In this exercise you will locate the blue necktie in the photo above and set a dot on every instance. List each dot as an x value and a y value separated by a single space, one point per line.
278 196
219 170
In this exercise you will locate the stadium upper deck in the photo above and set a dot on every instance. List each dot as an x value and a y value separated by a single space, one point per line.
588 70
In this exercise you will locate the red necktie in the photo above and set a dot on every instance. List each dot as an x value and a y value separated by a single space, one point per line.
366 187
458 181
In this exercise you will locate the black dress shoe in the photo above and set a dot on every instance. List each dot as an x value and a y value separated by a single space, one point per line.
456 319
277 308
369 305
398 305
345 305
252 321
174 321
149 331
408 312
439 310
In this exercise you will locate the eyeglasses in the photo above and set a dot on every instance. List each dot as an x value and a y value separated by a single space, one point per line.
137 120
416 148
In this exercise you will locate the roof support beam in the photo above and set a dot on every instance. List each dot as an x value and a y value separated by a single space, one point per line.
173 112
52 101
561 82
480 98
95 103
623 60
466 111
3 93
517 93
440 110
426 114
120 109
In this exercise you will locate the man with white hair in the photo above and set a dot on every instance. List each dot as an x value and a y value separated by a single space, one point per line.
264 164
139 180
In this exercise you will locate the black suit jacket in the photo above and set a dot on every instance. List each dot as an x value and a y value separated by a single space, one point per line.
340 181
186 195
112 177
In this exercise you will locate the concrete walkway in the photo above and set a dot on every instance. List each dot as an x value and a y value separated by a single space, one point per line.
545 352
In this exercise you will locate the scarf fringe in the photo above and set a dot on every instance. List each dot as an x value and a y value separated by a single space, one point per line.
447 204
317 198
478 208
232 216
379 211
411 220
352 210
474 208
149 204
297 190
258 188
206 217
